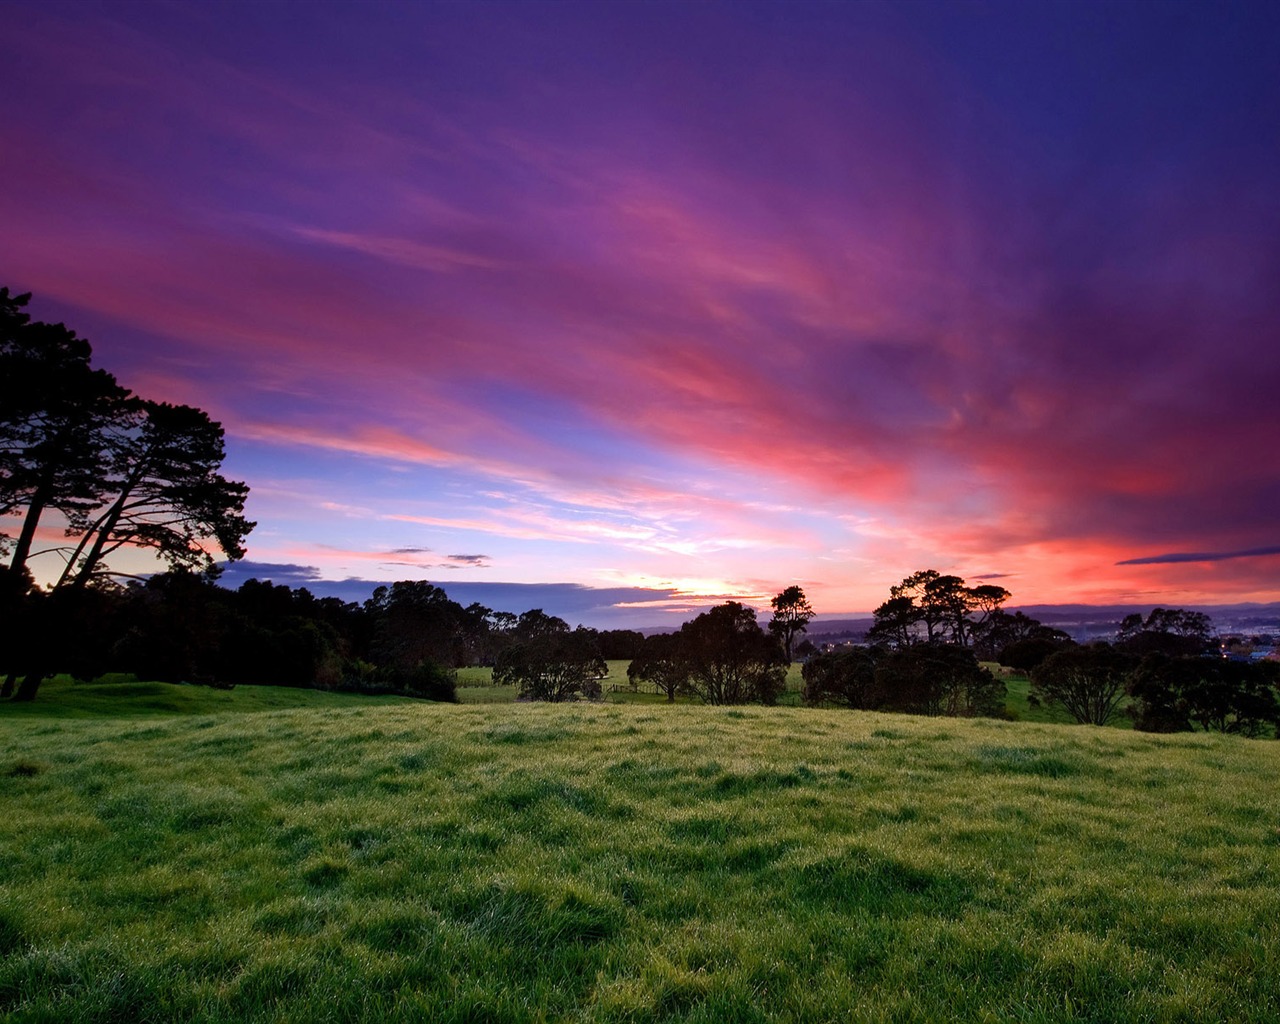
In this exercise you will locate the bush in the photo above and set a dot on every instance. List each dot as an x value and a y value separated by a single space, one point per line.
553 663
937 679
1180 694
1089 682
844 678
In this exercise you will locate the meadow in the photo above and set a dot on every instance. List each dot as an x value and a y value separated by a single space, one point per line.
176 853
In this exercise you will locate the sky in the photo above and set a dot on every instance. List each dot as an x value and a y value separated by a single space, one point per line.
626 309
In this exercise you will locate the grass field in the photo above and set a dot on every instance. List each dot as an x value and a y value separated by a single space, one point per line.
174 853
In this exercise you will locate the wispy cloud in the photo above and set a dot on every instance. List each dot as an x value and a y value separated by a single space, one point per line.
1201 556
905 301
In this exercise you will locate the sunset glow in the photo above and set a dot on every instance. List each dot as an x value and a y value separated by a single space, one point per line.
666 304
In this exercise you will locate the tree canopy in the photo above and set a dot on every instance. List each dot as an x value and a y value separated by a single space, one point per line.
120 471
792 614
549 661
730 659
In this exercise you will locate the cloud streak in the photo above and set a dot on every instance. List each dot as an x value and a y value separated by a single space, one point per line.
1210 556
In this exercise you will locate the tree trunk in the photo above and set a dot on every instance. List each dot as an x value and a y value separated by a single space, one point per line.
104 528
22 549
10 681
30 684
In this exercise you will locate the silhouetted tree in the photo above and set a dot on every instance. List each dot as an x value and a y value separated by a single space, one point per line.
1173 694
792 614
928 607
56 418
895 623
1088 682
414 624
548 661
660 661
1025 655
936 679
177 629
620 644
1171 631
845 678
731 659
165 492
1002 629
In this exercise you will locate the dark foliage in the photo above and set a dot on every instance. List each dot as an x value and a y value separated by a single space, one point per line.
731 659
1170 631
1088 682
936 679
661 661
119 470
414 622
1003 630
792 614
58 421
620 644
548 661
928 607
1025 655
844 678
1177 694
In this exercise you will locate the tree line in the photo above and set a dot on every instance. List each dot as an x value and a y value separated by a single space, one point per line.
1163 669
179 626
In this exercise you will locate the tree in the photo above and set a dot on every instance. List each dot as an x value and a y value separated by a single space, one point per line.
1171 631
661 661
895 623
548 661
1174 694
1088 682
791 616
177 628
119 471
845 678
944 606
1000 629
945 603
620 644
56 414
914 589
936 679
731 659
414 624
986 600
164 492
1025 655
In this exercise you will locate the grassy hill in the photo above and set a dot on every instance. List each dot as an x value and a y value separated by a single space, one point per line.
173 853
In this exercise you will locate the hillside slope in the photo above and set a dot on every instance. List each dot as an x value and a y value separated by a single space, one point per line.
345 859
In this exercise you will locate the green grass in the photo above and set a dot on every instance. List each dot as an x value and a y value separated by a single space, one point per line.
183 854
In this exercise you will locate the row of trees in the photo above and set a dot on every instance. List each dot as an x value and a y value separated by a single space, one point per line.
109 470
1163 669
930 678
1162 690
929 607
181 627
721 657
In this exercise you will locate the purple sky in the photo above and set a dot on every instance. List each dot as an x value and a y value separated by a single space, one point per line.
684 301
